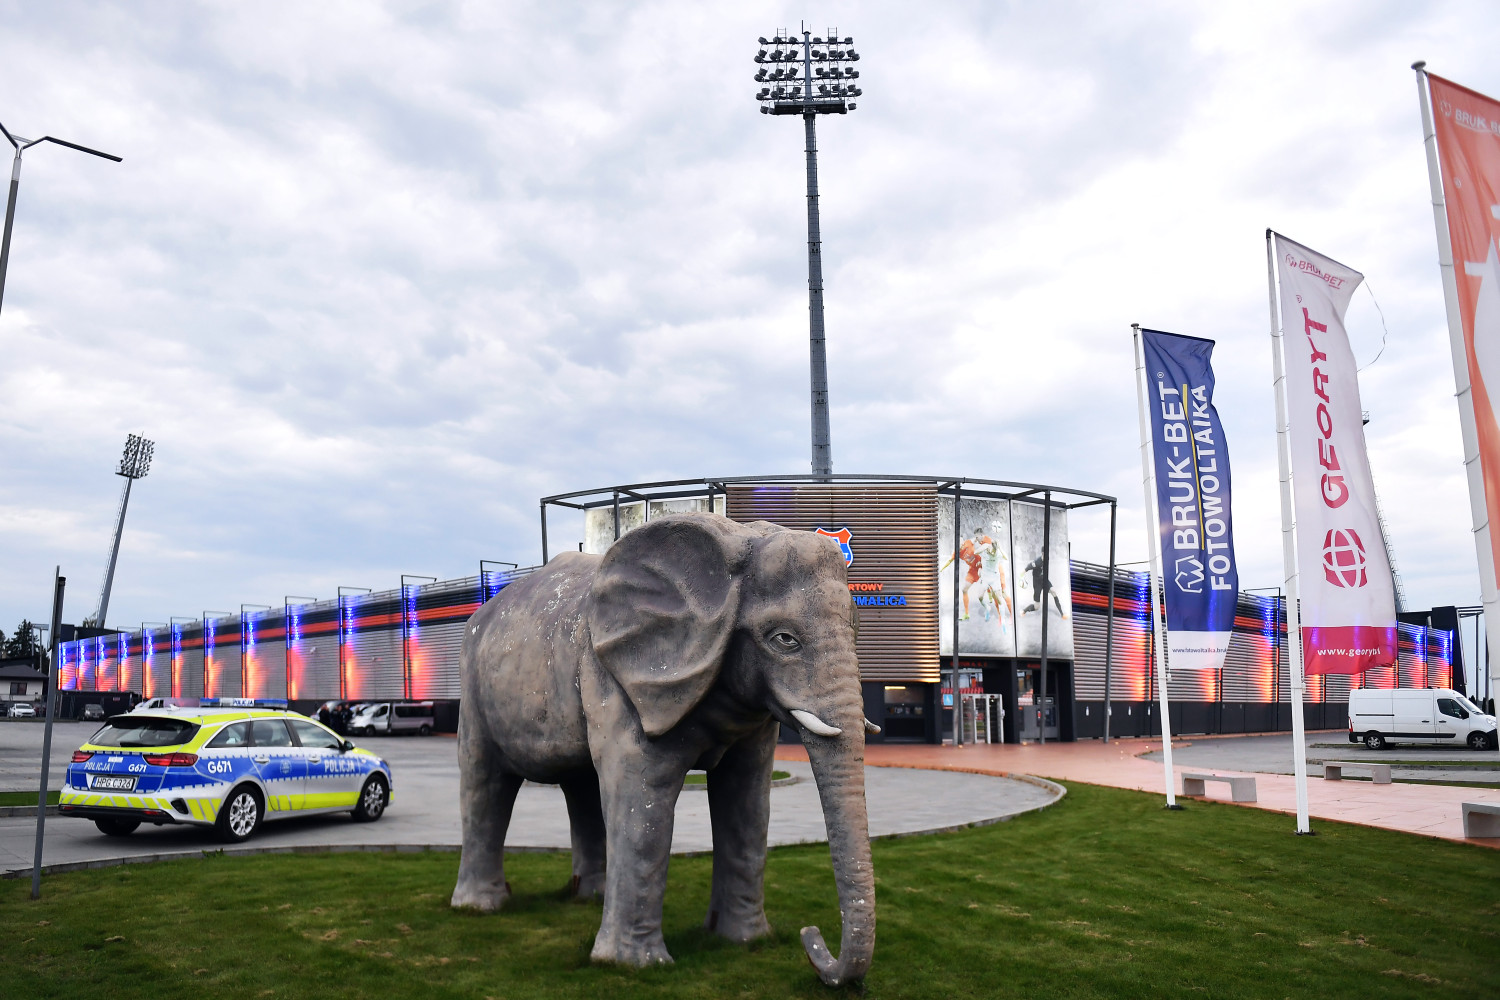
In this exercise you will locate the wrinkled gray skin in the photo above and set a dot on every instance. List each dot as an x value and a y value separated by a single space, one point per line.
685 646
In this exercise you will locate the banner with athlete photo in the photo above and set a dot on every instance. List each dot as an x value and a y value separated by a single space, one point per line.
1199 573
1041 583
986 582
1348 601
1002 586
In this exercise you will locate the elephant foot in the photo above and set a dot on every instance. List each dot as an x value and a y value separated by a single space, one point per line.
486 897
588 886
638 954
740 928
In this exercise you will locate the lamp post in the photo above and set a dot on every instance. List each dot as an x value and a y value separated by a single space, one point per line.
485 593
174 626
37 644
134 464
292 638
218 688
21 145
347 622
59 583
247 645
810 77
148 657
409 626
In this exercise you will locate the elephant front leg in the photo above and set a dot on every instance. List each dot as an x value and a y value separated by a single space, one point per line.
486 797
739 801
638 802
586 820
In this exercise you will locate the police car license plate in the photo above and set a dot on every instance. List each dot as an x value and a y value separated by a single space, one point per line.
122 782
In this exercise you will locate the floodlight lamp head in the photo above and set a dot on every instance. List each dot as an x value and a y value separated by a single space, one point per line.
800 62
136 462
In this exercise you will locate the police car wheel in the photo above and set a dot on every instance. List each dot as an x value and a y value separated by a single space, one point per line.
117 827
372 800
240 815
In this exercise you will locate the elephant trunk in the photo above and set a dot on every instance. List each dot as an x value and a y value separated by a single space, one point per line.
838 764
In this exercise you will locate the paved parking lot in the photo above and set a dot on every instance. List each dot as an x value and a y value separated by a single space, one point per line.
1272 754
425 809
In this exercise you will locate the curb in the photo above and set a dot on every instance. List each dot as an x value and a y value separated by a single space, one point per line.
1059 792
141 859
9 812
702 786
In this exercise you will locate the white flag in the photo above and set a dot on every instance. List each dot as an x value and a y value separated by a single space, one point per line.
1348 604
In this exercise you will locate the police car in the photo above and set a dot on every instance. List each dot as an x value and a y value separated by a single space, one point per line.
225 763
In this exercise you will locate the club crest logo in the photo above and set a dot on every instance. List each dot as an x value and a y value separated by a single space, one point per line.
1190 575
842 536
1344 558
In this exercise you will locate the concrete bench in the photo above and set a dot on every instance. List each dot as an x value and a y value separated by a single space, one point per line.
1333 770
1241 789
1481 819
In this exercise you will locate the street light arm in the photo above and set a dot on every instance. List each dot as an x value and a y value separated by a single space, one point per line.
72 145
10 138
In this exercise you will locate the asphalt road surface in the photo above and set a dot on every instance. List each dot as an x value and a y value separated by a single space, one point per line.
1272 754
424 810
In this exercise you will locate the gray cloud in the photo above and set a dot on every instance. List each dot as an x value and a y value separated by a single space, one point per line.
377 277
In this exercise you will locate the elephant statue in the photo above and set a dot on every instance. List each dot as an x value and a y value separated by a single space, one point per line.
685 646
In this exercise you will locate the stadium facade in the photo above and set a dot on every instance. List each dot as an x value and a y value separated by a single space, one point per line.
915 574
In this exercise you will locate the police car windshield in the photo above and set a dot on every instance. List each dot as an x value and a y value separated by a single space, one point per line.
143 731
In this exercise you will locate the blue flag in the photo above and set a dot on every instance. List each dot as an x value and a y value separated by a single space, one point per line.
1192 499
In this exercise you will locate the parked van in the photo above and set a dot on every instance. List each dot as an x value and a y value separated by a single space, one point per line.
1418 715
393 717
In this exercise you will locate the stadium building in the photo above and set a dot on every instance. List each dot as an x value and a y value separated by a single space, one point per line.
1061 643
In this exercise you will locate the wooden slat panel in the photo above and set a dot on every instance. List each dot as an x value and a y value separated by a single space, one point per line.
893 531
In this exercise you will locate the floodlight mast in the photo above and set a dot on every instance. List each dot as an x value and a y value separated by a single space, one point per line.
21 145
134 464
793 92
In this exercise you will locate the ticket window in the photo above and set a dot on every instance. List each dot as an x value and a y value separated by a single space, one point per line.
905 712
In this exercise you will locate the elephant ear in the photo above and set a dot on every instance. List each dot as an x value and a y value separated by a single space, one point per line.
663 606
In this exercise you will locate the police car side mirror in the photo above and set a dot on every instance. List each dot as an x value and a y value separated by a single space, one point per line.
346 746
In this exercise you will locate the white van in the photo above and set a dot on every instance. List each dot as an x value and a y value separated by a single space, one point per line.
393 717
1418 715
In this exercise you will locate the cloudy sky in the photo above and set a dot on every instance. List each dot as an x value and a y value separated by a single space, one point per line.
377 277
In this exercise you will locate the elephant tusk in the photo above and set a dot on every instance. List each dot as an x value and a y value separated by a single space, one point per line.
813 724
871 728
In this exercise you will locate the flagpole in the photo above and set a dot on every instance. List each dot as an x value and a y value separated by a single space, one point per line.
1473 471
1153 538
1288 550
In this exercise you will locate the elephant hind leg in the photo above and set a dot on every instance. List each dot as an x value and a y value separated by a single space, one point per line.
487 794
586 818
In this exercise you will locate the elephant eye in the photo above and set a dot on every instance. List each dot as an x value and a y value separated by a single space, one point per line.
785 641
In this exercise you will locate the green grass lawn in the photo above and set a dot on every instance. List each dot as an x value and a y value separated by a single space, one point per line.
693 778
1103 895
25 798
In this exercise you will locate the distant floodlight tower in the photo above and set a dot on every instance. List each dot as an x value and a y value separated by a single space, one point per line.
810 77
134 464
